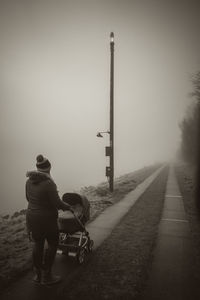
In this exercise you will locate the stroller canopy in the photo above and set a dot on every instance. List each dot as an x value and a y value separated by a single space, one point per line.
67 221
76 200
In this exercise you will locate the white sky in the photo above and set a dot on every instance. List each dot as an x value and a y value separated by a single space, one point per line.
54 94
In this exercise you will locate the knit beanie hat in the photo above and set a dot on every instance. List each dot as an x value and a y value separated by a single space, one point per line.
43 163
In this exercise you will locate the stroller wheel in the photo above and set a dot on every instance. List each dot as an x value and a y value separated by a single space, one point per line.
90 245
81 256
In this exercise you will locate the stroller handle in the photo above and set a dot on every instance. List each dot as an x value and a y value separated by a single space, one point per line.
77 219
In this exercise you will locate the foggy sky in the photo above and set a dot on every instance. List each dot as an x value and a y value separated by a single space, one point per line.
54 86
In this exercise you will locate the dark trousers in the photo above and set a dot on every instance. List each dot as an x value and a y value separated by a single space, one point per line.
43 260
43 227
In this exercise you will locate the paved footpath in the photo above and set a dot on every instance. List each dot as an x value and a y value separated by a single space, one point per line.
171 277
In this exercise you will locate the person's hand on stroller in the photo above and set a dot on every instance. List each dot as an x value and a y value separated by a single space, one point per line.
71 209
67 207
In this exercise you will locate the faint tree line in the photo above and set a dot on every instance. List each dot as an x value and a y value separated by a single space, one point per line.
190 130
190 125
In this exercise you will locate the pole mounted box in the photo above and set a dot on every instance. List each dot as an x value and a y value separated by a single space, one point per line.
108 171
108 151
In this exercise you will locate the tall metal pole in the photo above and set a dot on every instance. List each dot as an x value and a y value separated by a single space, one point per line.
111 181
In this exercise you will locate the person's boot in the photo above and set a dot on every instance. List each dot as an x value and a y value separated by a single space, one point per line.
38 275
48 278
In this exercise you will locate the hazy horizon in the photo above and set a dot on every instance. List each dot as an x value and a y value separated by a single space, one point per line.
55 64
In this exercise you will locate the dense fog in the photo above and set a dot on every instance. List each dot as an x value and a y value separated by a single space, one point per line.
54 87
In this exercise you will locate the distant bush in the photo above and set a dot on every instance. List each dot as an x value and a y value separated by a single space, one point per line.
17 220
22 212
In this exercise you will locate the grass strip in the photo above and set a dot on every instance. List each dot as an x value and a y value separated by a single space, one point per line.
185 177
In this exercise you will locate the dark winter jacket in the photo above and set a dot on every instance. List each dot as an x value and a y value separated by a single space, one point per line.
42 194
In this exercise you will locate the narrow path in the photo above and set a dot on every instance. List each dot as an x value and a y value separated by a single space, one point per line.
171 277
103 225
119 268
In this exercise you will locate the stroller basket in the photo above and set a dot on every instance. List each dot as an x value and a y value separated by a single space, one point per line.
67 222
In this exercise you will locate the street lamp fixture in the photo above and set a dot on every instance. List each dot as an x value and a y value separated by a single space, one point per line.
99 134
112 37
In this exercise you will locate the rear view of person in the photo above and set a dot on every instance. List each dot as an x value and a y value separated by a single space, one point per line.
41 219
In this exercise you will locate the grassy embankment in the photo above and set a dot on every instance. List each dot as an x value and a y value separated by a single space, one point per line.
15 249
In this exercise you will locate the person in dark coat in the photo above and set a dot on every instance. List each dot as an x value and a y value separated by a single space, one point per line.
41 219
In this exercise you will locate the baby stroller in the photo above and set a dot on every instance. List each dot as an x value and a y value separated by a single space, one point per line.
74 240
